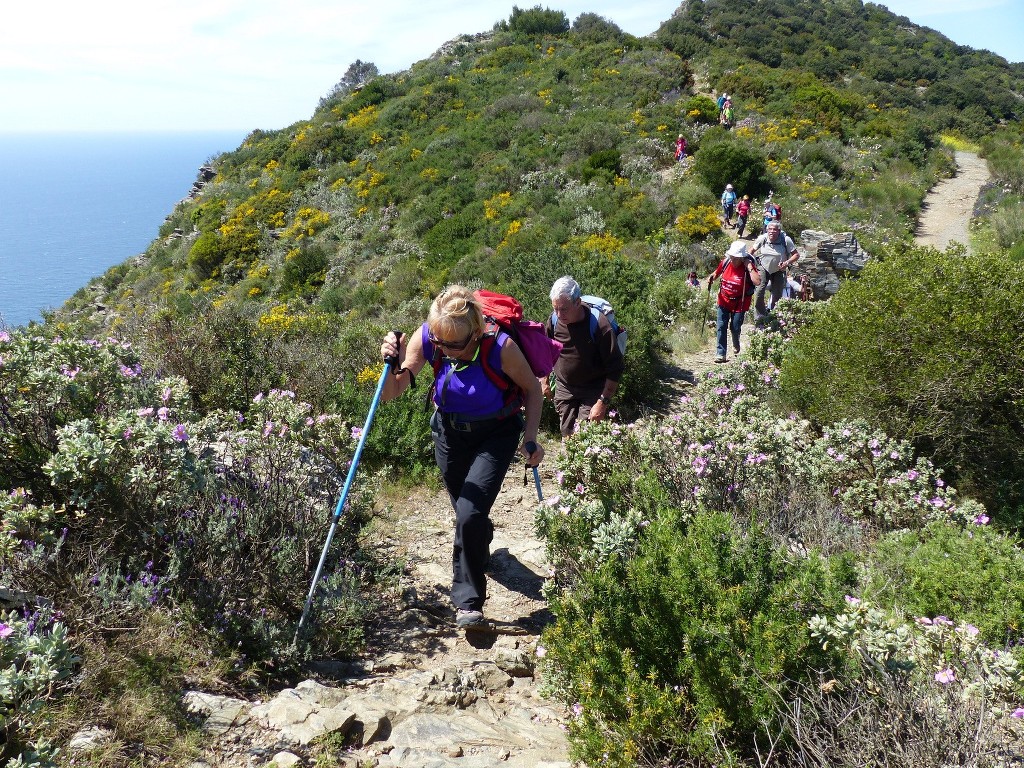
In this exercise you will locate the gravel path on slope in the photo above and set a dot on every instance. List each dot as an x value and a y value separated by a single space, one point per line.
949 205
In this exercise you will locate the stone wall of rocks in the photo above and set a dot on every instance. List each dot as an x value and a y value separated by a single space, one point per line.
827 257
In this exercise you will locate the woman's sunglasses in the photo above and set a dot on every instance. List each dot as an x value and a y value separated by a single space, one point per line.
455 346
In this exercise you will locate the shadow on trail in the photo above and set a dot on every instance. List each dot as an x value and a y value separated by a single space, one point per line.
506 570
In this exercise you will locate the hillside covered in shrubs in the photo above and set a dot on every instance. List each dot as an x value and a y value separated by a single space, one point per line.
819 542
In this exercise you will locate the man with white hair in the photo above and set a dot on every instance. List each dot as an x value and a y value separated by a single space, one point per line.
774 251
590 365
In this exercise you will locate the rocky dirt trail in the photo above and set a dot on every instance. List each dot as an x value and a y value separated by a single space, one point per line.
426 695
950 203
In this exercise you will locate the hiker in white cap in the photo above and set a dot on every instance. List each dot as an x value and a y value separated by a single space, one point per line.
739 279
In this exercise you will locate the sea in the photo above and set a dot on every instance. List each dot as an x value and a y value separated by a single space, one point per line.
74 204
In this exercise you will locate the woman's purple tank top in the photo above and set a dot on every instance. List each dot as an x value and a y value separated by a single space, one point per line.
468 391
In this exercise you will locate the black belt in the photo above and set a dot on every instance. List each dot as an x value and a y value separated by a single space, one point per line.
464 423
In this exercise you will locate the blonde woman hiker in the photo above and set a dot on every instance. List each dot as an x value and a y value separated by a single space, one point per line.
477 427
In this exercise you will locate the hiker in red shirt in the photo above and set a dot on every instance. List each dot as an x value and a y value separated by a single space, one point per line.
739 278
742 211
680 149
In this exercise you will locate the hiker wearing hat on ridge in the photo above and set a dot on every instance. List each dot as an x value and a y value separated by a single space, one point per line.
728 204
739 278
774 251
476 432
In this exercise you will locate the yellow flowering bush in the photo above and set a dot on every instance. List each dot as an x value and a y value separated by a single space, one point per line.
308 221
605 244
493 206
364 118
698 222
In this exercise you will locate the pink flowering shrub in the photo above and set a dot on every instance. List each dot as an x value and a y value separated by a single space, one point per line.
922 690
656 579
117 485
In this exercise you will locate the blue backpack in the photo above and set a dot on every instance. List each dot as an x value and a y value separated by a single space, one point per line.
598 307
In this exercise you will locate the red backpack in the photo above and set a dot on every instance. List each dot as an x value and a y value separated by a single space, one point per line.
504 314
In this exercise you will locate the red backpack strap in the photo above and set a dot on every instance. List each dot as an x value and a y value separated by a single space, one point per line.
512 393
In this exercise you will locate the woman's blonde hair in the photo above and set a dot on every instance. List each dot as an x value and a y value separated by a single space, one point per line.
455 313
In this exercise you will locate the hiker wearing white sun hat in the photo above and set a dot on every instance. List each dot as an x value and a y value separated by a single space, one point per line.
739 279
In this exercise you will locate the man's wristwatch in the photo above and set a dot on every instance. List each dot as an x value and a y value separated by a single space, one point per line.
604 399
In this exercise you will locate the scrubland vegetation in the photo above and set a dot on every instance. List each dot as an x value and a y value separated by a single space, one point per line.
814 561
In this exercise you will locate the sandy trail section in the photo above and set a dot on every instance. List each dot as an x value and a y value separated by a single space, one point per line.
950 204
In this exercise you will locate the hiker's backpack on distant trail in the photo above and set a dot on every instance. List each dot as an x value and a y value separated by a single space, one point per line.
503 314
598 306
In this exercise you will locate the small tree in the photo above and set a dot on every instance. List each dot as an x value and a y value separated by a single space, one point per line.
358 74
730 162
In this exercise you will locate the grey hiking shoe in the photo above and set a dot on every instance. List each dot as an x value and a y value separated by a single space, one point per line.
464 618
720 359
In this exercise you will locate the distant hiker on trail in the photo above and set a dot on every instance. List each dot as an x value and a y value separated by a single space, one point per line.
680 148
728 204
692 280
742 211
772 211
725 117
739 279
721 102
775 252
588 370
476 427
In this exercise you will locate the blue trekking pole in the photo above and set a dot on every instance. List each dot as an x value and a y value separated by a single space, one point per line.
389 365
536 482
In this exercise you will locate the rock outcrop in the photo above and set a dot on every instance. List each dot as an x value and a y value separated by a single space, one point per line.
827 257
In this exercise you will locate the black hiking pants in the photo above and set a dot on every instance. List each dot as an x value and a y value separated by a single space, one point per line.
473 464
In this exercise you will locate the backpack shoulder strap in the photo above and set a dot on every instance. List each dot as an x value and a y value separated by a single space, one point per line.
488 342
594 315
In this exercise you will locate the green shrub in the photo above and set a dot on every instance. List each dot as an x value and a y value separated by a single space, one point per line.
970 575
37 659
924 344
700 109
815 157
206 255
1006 160
537 21
604 165
729 162
1008 225
678 653
305 267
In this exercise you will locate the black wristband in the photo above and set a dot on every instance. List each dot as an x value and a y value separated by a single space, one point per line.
530 446
412 378
604 398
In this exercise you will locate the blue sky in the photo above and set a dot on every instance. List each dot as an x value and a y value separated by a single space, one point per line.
244 64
